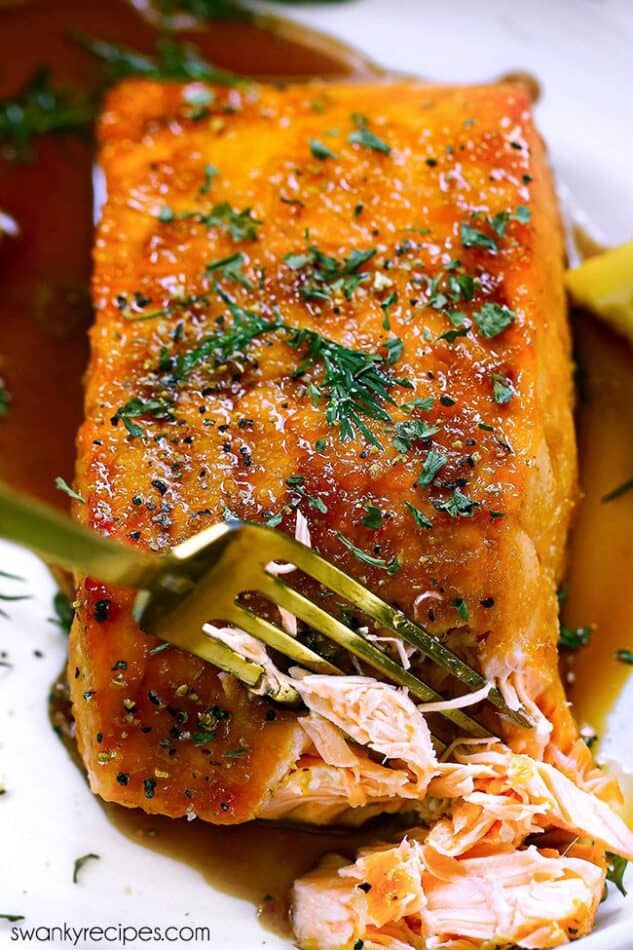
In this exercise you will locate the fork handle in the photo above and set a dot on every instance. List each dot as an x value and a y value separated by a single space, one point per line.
61 541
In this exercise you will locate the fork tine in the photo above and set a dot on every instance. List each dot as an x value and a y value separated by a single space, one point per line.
285 596
365 600
250 673
276 638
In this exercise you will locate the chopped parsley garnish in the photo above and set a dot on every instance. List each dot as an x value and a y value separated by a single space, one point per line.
12 918
296 483
372 518
394 347
616 868
362 135
390 566
324 276
433 463
62 485
625 656
493 318
5 398
173 61
572 638
241 225
321 151
38 108
459 506
461 607
502 389
471 237
410 431
620 490
499 222
231 268
201 738
385 305
418 516
133 409
79 863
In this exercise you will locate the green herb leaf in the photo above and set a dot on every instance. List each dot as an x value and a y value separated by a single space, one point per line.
502 389
366 138
572 638
410 431
64 612
202 738
62 485
461 607
620 490
418 516
353 383
210 172
471 237
615 871
493 318
12 918
79 863
373 518
394 347
222 11
459 506
5 399
433 463
173 61
362 556
625 656
38 108
241 225
425 404
321 151
231 268
159 408
325 275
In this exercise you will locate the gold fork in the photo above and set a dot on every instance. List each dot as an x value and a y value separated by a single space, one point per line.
203 577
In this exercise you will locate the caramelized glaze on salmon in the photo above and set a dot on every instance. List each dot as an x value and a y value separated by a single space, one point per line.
257 245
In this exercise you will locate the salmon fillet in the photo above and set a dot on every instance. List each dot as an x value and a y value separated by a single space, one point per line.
337 309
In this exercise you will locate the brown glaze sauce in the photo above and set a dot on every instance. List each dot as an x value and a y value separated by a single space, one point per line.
45 312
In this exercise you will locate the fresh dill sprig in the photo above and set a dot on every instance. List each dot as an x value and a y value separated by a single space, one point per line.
40 107
173 61
227 344
355 385
241 225
137 407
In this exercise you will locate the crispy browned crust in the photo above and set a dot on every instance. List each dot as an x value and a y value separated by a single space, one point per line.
236 436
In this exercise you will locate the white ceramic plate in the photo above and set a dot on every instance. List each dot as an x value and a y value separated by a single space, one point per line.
581 52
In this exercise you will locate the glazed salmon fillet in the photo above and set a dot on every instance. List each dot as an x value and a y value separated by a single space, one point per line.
338 310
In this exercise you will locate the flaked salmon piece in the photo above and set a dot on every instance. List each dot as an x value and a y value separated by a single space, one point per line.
376 715
411 896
